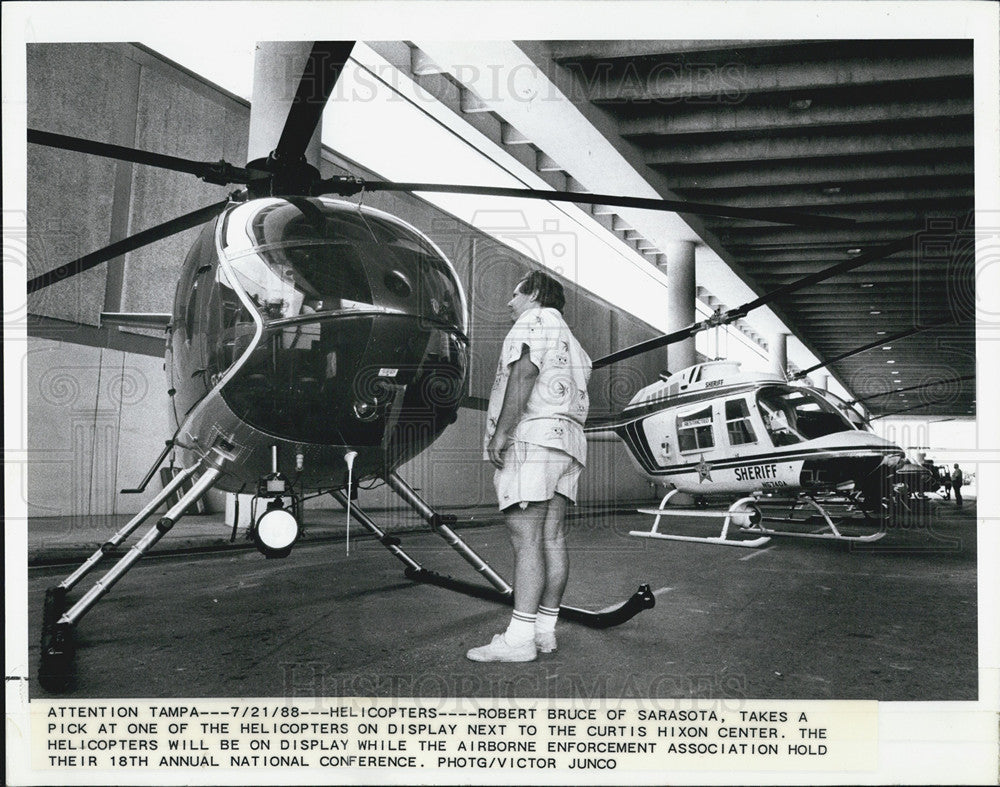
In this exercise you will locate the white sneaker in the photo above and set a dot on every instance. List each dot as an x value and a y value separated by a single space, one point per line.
545 641
500 650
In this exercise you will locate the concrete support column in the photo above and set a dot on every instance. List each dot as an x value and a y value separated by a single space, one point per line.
681 295
779 354
277 71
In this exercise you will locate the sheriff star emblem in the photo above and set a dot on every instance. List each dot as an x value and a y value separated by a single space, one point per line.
704 470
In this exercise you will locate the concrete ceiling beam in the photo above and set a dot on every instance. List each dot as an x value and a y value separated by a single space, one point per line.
421 65
936 210
770 281
733 81
820 257
765 268
545 163
604 50
471 103
749 239
744 119
814 198
845 171
511 136
814 308
804 148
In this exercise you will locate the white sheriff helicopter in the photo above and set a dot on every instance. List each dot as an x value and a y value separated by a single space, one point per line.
715 432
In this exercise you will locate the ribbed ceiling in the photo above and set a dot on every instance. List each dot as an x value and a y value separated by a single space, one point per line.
877 131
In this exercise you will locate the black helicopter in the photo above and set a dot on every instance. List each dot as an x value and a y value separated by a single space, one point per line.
315 343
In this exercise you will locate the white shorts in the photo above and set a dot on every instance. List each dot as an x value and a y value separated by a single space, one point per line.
533 474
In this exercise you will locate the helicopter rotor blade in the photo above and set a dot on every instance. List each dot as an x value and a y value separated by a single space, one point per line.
647 346
131 243
322 70
931 384
834 270
217 172
348 186
731 315
907 409
871 346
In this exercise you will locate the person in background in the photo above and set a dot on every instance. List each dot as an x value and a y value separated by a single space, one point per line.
933 475
956 484
535 439
946 482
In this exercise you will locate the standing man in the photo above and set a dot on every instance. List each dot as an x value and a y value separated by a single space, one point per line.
956 484
534 437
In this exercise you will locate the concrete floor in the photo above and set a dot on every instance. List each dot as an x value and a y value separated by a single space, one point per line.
798 618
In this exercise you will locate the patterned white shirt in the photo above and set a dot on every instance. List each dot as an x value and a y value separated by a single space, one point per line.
558 405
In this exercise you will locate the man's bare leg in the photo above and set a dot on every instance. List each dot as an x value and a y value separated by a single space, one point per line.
556 573
525 528
554 552
517 643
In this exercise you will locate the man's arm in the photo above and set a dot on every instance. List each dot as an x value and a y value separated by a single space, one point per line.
523 374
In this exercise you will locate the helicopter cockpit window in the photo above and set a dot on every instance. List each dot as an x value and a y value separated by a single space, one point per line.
853 416
738 424
237 326
313 258
694 430
792 415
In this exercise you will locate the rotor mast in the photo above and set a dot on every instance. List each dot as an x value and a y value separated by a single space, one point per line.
292 83
681 295
277 70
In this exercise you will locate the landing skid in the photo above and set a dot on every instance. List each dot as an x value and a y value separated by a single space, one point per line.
829 532
746 516
642 599
59 620
500 592
741 514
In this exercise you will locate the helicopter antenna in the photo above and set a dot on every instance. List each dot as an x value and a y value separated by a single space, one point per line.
364 218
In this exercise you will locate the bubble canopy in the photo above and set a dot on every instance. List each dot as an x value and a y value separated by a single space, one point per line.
303 256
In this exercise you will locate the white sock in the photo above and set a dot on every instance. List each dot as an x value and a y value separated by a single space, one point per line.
545 623
521 628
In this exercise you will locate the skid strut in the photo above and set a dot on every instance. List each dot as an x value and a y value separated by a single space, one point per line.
55 666
55 597
501 591
133 525
440 525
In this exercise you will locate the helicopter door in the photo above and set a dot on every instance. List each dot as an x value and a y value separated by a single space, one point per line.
739 425
658 430
189 360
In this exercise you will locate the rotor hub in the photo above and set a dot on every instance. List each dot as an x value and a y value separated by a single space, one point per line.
274 177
